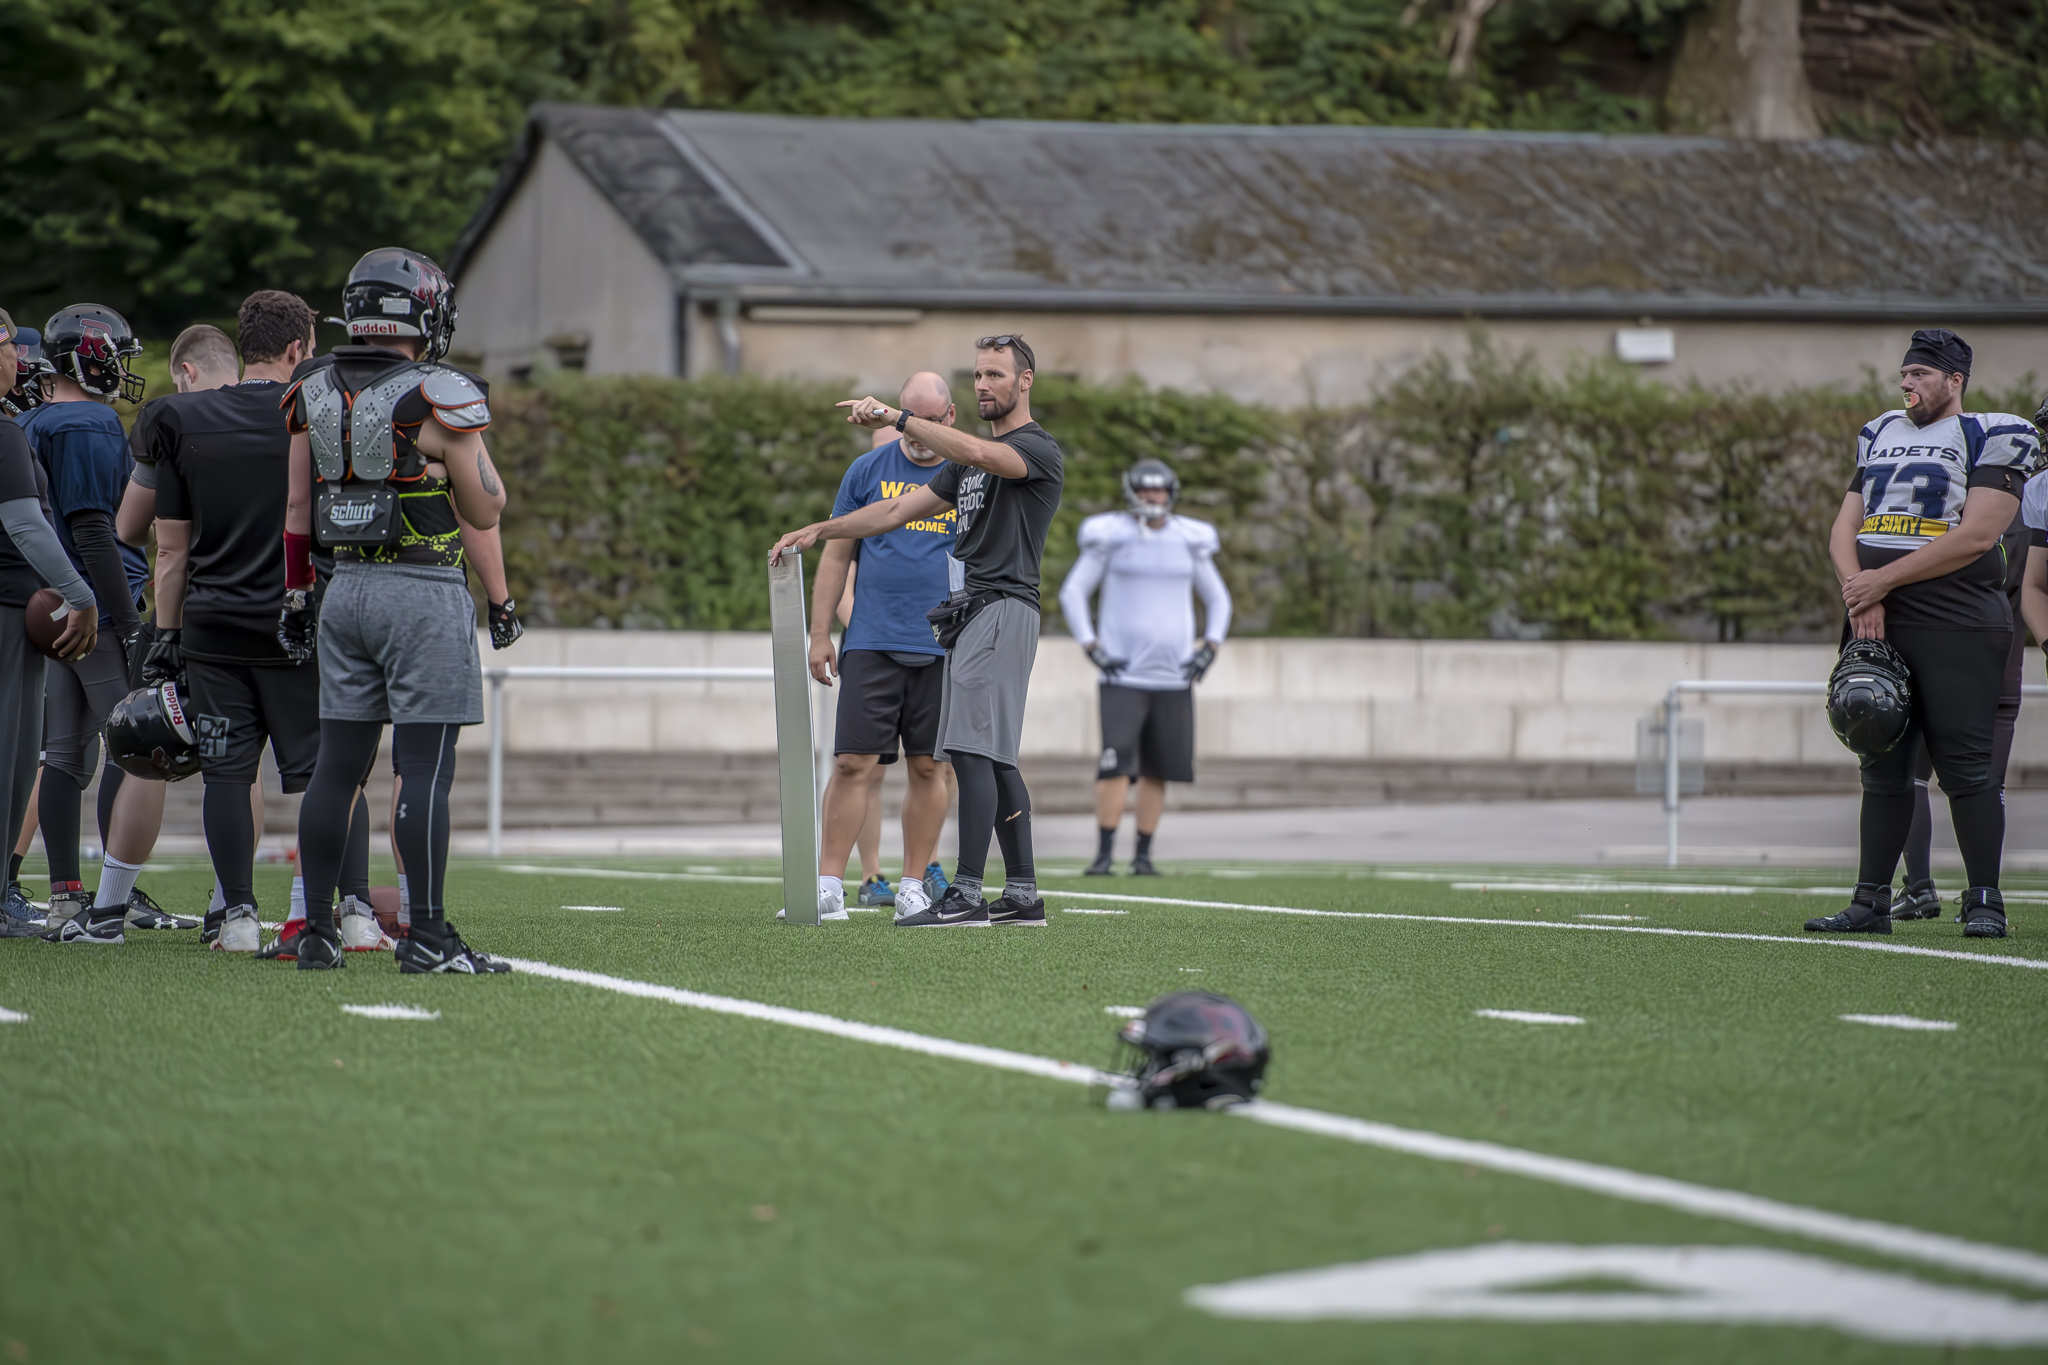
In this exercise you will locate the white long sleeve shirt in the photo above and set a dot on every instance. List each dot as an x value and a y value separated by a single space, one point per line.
1147 575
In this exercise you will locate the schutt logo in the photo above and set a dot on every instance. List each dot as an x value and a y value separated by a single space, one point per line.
352 516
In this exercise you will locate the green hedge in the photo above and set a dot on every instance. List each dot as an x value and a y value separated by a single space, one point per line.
1477 498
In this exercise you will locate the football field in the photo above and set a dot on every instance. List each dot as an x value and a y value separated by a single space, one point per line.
684 1132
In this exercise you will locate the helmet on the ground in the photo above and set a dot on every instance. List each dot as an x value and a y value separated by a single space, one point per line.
393 292
1195 1050
148 735
90 344
32 371
1870 697
1150 474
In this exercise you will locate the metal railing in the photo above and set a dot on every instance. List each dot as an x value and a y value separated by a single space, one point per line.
1701 686
498 677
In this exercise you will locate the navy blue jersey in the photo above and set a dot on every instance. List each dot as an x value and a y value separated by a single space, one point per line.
84 450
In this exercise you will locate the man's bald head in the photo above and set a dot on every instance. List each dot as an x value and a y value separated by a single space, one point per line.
926 395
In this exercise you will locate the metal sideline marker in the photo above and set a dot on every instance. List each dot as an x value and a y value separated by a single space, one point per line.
796 773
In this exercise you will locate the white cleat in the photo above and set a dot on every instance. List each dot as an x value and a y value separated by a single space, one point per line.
912 898
831 902
360 931
240 931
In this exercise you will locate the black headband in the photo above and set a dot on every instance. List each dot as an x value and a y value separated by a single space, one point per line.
1940 348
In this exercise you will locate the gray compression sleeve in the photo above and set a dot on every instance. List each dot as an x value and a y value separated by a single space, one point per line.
38 543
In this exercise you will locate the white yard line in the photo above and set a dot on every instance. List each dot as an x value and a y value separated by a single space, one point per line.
600 909
1809 940
390 1012
1529 1017
535 870
1904 1021
16 1017
2014 1264
1090 910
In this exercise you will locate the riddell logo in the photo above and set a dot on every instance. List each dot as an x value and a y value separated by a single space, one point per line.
351 516
372 327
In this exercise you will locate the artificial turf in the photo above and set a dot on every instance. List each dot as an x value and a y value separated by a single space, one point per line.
203 1158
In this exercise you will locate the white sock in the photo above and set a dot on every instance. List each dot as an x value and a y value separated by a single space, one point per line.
298 910
404 902
117 879
833 888
216 901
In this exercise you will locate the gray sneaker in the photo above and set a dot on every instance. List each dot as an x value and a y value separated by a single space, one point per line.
19 917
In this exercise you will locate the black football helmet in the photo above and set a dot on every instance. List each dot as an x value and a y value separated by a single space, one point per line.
1149 474
90 344
393 292
1194 1050
148 735
32 373
1870 698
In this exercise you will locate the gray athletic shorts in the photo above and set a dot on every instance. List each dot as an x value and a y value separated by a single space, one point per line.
398 643
80 693
988 672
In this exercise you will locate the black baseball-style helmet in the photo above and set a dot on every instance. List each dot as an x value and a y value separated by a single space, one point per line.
393 292
1870 698
1195 1050
1149 474
90 344
147 734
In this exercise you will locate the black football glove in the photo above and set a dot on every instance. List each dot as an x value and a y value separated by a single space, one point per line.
1198 662
135 648
297 625
165 661
505 627
1099 656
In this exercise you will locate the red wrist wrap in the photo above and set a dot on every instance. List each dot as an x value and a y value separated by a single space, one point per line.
298 561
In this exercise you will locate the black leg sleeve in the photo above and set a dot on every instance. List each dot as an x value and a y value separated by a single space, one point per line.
1980 833
977 778
61 808
1013 824
347 749
231 840
1920 837
355 865
110 787
1887 820
426 770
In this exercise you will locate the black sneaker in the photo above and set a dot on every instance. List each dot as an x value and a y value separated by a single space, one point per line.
1869 912
955 909
1983 913
19 917
438 948
87 928
1007 911
209 928
1921 901
144 913
1141 866
1101 867
319 950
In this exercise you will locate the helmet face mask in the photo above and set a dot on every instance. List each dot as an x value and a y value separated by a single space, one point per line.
32 373
1146 476
1870 698
396 293
90 344
1193 1050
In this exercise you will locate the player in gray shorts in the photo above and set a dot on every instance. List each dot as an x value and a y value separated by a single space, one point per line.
1005 492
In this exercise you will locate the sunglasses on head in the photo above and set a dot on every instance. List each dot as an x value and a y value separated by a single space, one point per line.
1009 342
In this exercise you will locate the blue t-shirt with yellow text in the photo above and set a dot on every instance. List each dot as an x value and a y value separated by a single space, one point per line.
901 575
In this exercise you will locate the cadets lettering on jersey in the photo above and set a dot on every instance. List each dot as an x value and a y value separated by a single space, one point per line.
1915 481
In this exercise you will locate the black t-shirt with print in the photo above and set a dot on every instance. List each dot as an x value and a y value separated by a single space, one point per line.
223 461
1003 522
21 476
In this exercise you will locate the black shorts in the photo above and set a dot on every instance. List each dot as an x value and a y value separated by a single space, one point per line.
236 707
1147 734
882 702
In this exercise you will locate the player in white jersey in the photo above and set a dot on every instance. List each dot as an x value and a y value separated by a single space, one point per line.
1916 544
1146 560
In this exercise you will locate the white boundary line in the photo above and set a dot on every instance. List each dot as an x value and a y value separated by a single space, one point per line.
1810 940
2012 1264
536 870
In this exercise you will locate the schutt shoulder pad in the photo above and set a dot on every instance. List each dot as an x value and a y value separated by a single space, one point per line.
458 403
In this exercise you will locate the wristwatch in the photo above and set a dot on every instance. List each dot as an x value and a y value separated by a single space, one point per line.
902 416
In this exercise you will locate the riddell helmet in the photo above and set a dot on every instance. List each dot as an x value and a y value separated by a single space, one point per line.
31 373
90 344
147 734
1146 474
1195 1050
393 292
1870 698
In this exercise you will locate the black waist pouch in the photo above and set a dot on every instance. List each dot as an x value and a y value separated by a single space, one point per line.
951 616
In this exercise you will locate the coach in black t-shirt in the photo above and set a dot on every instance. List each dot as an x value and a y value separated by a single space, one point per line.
1006 490
221 480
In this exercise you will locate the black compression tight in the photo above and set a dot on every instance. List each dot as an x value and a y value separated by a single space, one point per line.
993 800
110 787
426 770
231 840
355 866
60 808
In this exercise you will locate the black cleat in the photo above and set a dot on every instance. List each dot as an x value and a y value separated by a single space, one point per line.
955 909
88 928
144 913
319 949
437 948
1983 913
209 928
1141 866
1006 911
1920 901
1869 912
1101 867
19 917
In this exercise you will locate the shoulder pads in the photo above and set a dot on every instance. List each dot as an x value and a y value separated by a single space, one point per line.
1105 529
458 403
1201 536
2034 503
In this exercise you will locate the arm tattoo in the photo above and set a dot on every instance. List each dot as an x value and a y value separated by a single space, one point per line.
484 475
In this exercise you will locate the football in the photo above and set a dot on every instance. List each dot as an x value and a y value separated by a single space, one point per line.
44 620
